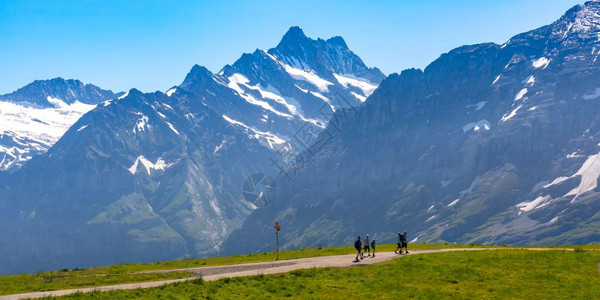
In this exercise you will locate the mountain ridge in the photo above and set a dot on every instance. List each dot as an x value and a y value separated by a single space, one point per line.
147 176
488 144
67 90
35 116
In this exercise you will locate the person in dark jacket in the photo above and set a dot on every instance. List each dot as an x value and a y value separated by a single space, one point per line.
358 247
398 243
404 240
373 244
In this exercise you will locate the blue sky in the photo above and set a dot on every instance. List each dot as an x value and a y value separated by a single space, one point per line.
151 45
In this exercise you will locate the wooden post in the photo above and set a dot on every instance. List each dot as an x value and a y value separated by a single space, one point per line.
277 249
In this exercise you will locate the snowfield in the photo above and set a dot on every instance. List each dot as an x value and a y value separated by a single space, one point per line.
148 165
28 130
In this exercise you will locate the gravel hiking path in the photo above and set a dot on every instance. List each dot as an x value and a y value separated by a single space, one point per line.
265 268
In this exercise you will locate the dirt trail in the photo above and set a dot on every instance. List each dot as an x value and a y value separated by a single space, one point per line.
218 272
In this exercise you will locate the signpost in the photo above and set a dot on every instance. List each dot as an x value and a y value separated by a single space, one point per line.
277 229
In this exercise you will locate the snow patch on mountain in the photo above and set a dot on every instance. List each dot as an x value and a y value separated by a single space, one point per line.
57 102
556 181
172 128
141 124
273 94
217 148
320 96
361 98
478 106
593 95
148 165
238 79
366 87
310 77
123 96
496 79
589 172
416 239
509 116
453 203
538 202
171 92
476 126
471 187
541 62
266 138
529 80
520 95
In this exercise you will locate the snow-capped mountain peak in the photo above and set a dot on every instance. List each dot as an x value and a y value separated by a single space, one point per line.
276 92
67 90
35 116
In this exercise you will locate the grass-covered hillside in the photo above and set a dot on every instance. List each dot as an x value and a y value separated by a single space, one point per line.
509 272
497 274
129 273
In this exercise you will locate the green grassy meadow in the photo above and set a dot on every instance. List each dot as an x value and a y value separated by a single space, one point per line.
496 274
125 273
300 283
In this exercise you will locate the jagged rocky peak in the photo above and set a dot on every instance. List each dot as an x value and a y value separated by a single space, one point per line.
41 92
198 75
295 38
295 49
292 38
581 20
338 41
331 55
273 93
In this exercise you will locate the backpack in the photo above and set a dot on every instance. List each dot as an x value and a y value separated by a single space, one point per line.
357 244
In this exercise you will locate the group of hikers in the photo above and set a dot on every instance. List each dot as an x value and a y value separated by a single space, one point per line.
367 244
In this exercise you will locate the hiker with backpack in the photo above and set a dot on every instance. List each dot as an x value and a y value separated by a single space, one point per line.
404 240
398 243
373 246
367 244
358 247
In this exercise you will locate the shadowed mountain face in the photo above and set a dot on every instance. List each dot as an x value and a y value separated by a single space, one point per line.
147 177
34 117
489 144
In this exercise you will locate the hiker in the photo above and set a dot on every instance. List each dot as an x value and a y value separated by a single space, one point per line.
398 243
367 244
404 240
373 246
358 247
